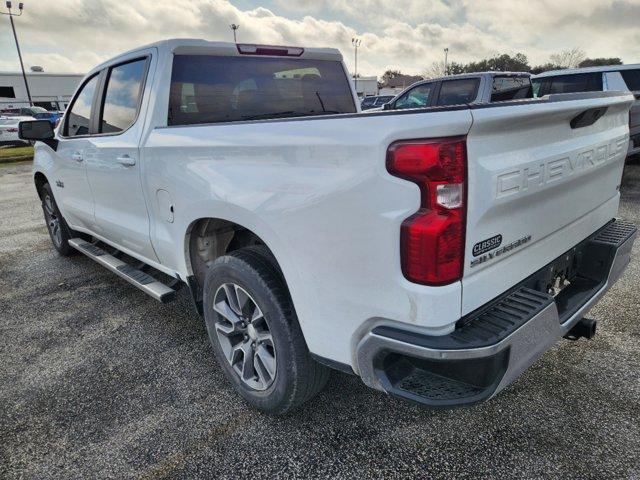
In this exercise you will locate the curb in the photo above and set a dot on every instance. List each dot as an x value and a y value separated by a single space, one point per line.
15 159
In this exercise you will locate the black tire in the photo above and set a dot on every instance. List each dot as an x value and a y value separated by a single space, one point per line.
59 231
297 376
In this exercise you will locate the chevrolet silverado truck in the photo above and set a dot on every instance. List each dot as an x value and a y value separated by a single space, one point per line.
434 252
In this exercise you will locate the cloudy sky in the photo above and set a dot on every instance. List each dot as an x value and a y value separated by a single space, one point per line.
74 35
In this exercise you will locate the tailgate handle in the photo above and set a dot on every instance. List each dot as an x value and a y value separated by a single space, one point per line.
588 117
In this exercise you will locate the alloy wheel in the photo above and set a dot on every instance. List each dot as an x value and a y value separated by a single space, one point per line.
52 219
244 335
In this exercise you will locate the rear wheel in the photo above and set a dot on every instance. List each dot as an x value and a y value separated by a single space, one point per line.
59 231
255 333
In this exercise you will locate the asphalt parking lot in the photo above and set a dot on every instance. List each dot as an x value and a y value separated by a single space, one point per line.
98 380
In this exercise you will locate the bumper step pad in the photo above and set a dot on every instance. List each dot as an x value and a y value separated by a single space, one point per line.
615 234
429 385
131 274
487 327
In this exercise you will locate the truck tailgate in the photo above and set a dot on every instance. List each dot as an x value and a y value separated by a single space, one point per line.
543 175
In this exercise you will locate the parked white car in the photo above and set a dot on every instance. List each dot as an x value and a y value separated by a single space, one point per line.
423 250
597 79
9 130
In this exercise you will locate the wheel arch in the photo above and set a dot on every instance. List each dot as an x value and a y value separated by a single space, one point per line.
39 179
209 238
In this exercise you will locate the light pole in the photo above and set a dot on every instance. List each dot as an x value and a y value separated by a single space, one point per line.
13 27
234 27
356 42
446 57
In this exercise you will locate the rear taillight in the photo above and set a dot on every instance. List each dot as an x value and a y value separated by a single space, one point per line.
12 130
272 50
432 240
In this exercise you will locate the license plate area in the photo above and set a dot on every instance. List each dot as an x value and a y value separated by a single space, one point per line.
575 276
561 273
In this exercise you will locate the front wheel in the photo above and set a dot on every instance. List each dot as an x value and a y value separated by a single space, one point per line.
58 229
255 333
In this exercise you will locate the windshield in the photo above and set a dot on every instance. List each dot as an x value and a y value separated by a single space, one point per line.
535 85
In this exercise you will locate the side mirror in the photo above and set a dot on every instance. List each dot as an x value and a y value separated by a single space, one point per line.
387 106
37 130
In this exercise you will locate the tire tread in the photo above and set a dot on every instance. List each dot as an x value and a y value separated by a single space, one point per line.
312 376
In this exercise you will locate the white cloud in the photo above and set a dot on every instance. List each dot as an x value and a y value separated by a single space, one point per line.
74 35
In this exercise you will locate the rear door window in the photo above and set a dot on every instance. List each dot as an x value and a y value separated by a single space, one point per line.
457 92
577 82
510 88
79 116
632 79
122 96
210 89
417 97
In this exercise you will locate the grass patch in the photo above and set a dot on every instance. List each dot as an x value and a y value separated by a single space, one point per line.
15 152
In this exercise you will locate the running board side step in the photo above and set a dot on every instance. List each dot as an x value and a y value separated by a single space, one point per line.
131 274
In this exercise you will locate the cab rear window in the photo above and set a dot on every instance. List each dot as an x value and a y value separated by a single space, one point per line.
578 82
209 89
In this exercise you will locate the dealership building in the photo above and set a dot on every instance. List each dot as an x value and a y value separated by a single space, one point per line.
52 91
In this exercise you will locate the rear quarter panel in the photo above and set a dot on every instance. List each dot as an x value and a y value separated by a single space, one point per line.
318 193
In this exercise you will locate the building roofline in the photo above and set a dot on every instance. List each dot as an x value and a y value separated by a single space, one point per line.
42 74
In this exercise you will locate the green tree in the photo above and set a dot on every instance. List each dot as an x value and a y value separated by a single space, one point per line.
500 63
600 62
544 68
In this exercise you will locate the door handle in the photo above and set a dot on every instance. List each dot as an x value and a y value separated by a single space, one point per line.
77 156
126 160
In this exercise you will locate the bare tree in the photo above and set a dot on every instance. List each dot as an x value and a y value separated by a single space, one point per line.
435 70
568 58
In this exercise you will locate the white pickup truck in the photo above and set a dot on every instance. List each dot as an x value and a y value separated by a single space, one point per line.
435 252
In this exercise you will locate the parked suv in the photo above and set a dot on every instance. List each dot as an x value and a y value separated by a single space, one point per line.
485 87
597 79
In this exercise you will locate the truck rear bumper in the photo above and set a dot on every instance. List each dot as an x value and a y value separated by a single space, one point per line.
493 345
